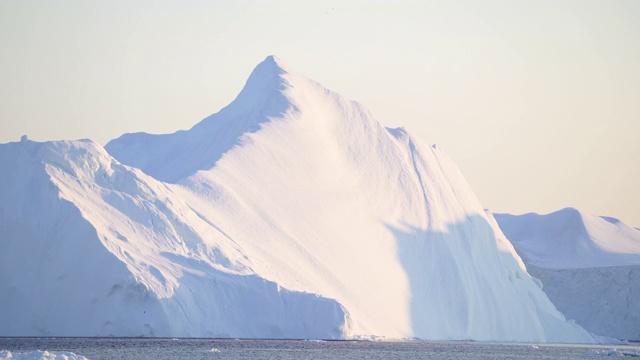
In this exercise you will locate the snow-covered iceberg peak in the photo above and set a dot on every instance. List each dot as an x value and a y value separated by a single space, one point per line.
263 92
172 157
264 79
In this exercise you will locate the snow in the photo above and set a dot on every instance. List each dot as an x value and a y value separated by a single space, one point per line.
79 212
40 355
589 265
171 157
569 238
290 213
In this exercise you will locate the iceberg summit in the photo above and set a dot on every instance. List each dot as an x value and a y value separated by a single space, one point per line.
291 213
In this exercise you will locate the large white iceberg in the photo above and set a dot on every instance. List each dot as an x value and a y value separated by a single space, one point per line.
290 213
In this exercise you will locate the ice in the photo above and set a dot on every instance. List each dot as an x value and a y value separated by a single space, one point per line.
603 352
613 352
569 238
291 213
40 355
589 265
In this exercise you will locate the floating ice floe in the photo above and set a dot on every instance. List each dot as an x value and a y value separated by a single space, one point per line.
41 355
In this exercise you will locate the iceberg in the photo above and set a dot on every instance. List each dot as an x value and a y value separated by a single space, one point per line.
589 266
290 213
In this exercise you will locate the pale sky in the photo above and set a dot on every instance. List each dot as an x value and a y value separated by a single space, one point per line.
538 102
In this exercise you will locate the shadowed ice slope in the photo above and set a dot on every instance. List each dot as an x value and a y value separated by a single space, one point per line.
321 198
589 265
93 248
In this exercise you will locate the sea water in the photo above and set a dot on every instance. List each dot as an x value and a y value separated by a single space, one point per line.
142 349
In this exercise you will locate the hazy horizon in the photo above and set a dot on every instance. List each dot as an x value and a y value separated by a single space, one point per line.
537 103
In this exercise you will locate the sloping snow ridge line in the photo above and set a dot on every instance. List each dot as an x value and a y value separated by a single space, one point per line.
589 265
291 213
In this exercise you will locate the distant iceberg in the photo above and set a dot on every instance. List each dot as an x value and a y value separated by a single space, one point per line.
589 265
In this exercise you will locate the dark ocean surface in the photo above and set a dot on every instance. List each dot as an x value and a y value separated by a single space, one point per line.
139 349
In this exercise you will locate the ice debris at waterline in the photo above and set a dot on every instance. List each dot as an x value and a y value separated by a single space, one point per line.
291 213
40 355
613 352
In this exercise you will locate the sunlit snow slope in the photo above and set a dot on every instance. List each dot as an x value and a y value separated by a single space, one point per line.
290 213
589 265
